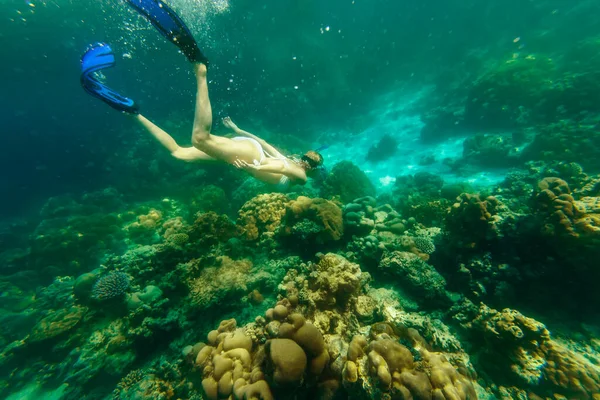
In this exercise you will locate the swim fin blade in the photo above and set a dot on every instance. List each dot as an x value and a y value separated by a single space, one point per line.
96 58
171 26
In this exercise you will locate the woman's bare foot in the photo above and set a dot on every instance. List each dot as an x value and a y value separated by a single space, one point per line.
200 69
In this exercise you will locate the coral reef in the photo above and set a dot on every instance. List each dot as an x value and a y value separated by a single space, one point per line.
363 216
348 182
85 229
201 283
565 215
520 350
420 278
418 196
111 286
296 345
567 141
383 367
209 198
489 150
326 214
424 245
473 221
214 285
374 317
140 384
210 229
56 324
262 215
492 100
144 230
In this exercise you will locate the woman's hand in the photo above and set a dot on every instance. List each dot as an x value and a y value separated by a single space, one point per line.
241 164
228 123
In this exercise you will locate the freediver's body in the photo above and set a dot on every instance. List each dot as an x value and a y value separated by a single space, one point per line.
244 151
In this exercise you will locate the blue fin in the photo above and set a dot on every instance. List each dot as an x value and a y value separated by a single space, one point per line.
171 26
96 58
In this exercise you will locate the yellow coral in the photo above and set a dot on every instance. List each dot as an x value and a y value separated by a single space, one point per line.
530 354
289 361
178 239
576 218
151 219
262 214
146 224
394 368
227 366
216 282
309 338
173 226
56 323
336 281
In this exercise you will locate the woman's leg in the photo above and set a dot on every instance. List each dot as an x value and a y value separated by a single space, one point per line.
218 147
163 137
167 141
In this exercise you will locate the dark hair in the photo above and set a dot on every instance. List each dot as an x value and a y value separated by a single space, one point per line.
312 159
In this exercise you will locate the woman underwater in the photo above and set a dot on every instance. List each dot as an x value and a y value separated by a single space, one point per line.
245 151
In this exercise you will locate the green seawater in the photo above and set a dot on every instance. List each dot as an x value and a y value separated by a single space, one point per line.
446 248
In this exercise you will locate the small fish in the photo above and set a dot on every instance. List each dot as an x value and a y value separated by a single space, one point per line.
324 147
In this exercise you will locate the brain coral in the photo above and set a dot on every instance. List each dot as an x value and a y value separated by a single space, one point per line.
326 214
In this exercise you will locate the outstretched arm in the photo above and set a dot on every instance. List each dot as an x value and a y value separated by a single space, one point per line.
272 151
296 174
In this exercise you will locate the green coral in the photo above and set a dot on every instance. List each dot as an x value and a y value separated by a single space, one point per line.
417 277
567 141
424 244
209 198
348 182
513 92
418 196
